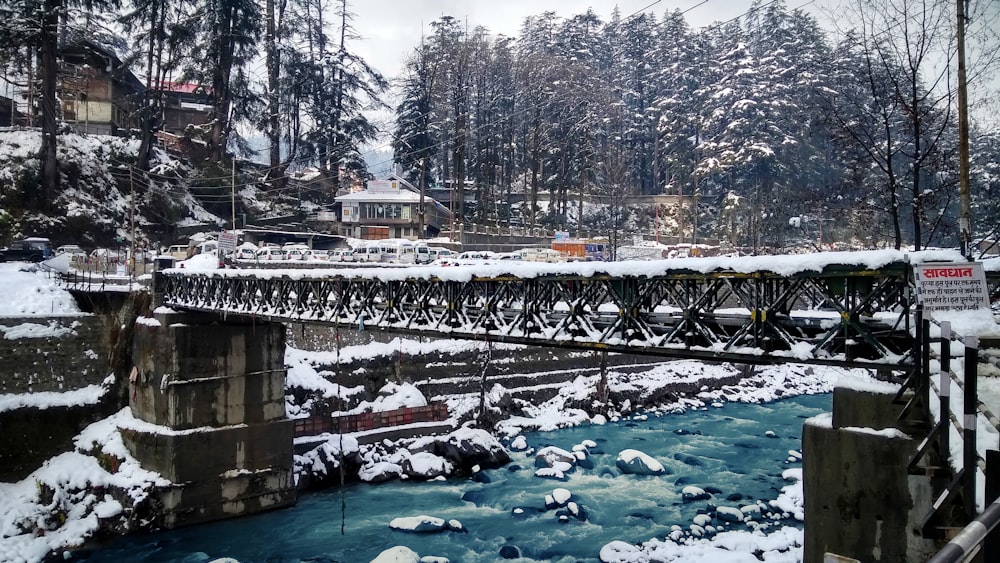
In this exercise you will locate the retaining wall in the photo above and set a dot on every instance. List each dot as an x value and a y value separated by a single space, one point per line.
72 359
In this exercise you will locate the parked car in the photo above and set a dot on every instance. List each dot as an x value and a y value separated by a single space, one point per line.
341 255
178 251
76 253
437 252
207 247
246 252
32 249
270 254
296 252
310 255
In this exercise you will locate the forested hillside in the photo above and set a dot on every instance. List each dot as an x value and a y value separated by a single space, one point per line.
764 118
770 126
98 183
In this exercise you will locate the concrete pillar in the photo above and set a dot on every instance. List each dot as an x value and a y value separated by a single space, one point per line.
860 501
213 394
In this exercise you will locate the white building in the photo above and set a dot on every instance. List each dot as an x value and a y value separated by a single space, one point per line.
389 209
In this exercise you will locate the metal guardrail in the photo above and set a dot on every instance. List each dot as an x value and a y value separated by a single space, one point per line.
969 542
93 281
936 447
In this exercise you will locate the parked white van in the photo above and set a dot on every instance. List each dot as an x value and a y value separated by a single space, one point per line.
296 252
423 254
367 253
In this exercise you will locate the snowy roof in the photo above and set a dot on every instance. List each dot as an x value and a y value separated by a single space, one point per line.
402 196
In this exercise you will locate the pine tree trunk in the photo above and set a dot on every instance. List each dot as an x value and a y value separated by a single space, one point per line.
50 73
276 173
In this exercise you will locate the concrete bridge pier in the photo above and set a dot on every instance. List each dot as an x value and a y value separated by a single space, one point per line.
213 394
860 501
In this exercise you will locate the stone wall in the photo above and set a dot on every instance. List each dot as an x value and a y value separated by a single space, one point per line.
74 359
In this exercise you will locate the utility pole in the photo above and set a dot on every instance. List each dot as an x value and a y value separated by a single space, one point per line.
234 194
965 212
131 183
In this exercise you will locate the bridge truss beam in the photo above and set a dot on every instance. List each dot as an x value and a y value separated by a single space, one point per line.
843 315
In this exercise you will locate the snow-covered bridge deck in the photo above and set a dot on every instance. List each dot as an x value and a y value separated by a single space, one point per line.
848 308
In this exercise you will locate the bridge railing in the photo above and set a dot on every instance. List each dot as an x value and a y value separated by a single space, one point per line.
91 280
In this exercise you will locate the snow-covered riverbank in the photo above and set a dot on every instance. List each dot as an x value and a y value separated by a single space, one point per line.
99 486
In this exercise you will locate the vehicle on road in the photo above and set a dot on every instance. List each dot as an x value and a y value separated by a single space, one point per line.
31 249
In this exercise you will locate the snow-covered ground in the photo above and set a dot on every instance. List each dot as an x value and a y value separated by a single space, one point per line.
61 504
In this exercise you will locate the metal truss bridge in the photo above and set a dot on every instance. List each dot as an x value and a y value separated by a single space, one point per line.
840 312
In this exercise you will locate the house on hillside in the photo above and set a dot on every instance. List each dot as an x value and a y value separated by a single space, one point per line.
99 94
389 208
185 104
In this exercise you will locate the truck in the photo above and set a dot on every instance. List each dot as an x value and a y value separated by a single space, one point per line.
582 250
31 249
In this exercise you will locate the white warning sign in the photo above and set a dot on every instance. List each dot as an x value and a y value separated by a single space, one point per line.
951 286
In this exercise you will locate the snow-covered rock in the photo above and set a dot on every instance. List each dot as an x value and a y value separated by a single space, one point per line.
397 554
425 524
620 551
394 396
751 512
729 514
558 497
519 444
466 448
550 473
692 493
561 495
425 465
550 455
380 472
638 463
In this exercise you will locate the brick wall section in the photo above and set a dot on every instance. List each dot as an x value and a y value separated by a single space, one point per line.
74 360
315 425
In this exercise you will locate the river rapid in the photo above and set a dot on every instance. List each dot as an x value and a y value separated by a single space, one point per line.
737 450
